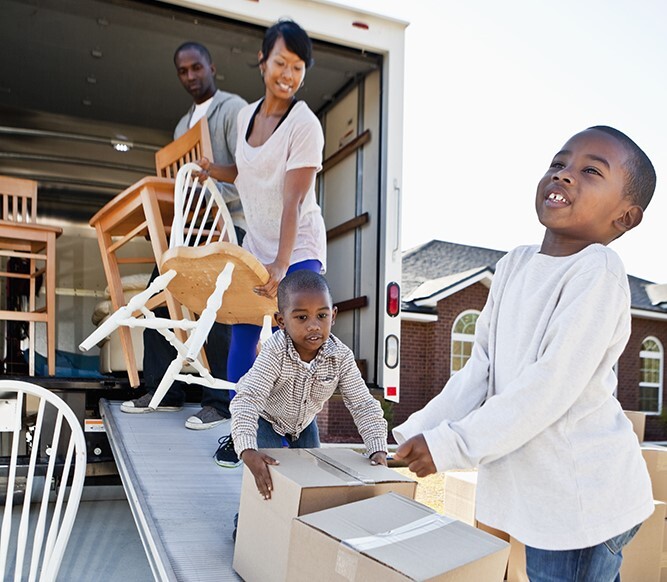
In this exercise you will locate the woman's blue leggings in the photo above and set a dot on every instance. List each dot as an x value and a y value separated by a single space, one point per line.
245 336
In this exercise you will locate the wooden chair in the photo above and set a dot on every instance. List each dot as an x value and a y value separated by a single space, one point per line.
35 525
145 209
202 265
21 237
193 145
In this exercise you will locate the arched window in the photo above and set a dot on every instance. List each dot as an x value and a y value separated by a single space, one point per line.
463 334
651 359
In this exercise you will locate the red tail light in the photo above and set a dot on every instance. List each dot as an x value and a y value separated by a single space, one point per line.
393 299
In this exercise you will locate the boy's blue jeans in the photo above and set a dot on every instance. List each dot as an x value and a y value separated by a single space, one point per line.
267 438
600 563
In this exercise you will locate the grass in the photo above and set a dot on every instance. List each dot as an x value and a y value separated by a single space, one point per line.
430 490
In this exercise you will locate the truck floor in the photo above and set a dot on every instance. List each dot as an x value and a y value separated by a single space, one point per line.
182 502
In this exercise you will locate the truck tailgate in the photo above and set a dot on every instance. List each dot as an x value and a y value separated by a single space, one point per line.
183 503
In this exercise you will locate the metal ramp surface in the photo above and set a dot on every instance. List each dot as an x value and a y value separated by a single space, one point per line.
182 502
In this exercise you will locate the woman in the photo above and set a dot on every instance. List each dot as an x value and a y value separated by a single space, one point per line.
278 154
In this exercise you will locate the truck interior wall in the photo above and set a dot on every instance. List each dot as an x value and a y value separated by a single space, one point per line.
351 189
370 279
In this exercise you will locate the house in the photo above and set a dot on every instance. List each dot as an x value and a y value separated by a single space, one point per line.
444 287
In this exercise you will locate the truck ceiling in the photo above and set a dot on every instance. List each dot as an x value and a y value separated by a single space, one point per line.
76 75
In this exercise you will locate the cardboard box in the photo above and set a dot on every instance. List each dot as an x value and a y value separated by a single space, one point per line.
638 420
516 567
306 480
642 557
389 539
663 570
656 463
459 502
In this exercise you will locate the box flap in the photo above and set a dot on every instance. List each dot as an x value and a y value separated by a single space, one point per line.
331 467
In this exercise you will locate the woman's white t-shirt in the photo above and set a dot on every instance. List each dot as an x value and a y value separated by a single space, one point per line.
296 143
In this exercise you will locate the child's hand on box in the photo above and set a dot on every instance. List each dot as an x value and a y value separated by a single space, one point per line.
416 455
379 458
257 463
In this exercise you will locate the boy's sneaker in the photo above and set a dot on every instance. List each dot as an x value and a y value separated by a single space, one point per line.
226 456
207 417
140 406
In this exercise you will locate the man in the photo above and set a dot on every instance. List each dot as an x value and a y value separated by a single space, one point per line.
196 71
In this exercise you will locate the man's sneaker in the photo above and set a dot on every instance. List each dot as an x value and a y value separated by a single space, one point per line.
207 417
140 406
226 456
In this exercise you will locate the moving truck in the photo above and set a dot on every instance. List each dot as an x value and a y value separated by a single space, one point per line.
88 94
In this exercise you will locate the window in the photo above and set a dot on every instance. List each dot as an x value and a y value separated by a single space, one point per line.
650 376
463 335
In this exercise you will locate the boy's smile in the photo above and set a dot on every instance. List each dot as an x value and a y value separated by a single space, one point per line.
581 199
307 319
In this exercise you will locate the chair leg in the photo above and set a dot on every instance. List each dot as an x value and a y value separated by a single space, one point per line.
266 332
125 313
172 374
207 318
167 380
51 303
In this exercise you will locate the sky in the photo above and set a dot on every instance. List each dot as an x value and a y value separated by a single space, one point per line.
493 89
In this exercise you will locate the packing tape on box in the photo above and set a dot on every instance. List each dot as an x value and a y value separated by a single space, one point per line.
349 549
334 467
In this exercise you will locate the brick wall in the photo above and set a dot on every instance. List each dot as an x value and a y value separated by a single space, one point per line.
425 365
628 374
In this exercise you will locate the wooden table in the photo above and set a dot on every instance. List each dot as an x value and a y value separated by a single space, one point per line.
142 210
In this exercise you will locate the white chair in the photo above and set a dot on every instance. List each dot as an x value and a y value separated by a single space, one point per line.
197 270
34 533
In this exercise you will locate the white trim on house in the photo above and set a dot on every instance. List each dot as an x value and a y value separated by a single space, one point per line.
454 284
644 314
418 317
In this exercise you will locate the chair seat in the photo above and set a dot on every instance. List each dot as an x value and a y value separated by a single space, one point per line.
198 269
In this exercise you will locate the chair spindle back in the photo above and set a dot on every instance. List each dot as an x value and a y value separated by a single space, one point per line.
18 200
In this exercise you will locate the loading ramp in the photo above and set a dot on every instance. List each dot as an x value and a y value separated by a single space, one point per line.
183 504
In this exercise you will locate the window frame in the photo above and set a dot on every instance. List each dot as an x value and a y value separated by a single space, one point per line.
660 356
461 337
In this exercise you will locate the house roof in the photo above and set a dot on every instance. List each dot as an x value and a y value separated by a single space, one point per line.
438 268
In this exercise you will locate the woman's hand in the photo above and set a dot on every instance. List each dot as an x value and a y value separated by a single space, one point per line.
277 271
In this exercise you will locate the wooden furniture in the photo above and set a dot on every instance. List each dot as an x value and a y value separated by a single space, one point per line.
21 237
202 265
36 529
193 145
143 210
